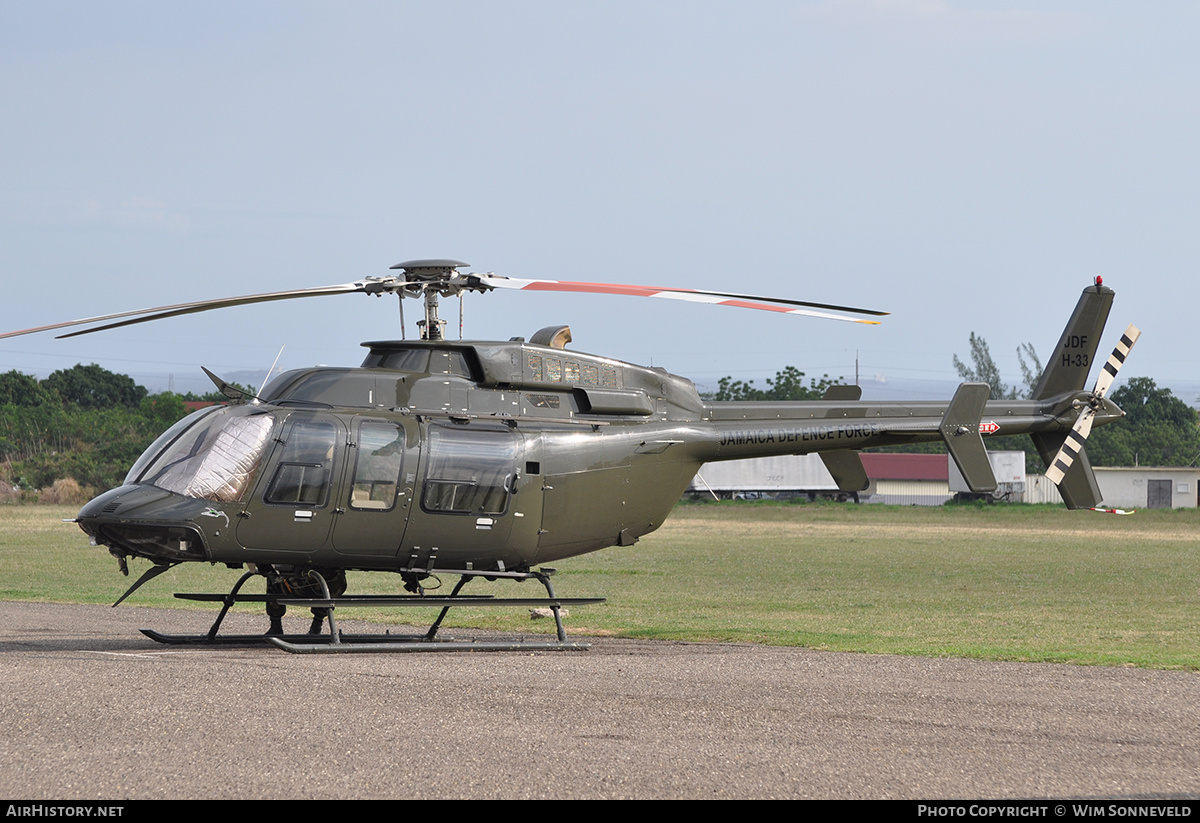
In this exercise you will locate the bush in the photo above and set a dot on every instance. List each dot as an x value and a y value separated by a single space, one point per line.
66 491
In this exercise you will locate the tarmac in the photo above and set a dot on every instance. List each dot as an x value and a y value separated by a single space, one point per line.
93 710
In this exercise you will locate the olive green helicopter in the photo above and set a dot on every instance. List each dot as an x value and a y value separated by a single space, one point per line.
441 457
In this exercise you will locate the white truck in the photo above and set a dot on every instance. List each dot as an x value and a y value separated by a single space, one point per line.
1009 468
789 475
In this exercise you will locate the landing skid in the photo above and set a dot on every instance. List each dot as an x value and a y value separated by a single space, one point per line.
336 642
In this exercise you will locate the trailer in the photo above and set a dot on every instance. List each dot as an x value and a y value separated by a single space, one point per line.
783 477
1009 469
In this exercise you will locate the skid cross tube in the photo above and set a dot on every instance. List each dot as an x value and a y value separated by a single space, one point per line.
334 634
541 577
337 641
229 600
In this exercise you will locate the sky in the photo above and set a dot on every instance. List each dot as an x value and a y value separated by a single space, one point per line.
966 166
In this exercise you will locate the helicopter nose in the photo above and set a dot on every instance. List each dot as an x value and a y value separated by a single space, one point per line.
121 502
143 521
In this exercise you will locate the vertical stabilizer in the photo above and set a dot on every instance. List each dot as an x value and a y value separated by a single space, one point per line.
1067 372
1078 487
1069 364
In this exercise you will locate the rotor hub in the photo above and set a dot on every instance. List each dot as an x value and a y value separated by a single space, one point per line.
428 271
432 278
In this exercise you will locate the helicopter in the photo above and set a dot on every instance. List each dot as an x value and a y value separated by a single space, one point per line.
490 459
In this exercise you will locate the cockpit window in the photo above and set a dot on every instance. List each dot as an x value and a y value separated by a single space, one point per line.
165 439
305 469
214 459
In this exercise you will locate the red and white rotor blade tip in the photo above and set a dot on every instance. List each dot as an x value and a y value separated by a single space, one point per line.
745 301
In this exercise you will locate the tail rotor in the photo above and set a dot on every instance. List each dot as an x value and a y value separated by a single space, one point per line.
1066 456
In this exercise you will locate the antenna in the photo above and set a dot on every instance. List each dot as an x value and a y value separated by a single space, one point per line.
268 377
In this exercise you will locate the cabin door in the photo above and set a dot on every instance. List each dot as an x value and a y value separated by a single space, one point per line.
464 511
377 489
292 508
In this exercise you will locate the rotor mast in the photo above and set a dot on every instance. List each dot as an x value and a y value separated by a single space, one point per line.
432 327
433 279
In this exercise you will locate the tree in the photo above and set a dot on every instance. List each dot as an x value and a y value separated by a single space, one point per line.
163 409
986 371
92 387
83 423
23 390
1158 429
788 384
216 396
1030 375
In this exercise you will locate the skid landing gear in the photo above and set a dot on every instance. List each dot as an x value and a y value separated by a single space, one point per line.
336 642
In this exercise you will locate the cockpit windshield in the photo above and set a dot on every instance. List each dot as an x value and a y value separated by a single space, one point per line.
210 458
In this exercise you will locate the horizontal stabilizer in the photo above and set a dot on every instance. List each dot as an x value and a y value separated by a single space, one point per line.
844 465
960 431
847 470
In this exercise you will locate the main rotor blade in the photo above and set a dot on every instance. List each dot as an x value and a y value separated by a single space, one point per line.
456 284
146 315
745 301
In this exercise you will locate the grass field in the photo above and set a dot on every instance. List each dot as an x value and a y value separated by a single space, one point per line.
1001 583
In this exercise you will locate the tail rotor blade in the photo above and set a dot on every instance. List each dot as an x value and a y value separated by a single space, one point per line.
1109 373
1083 426
1070 449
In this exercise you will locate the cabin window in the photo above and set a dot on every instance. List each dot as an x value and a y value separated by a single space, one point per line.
305 469
377 469
470 472
410 360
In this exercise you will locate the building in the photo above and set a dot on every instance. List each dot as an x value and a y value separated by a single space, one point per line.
1139 487
926 480
907 479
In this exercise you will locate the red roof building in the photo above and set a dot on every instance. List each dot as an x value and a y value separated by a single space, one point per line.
906 467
